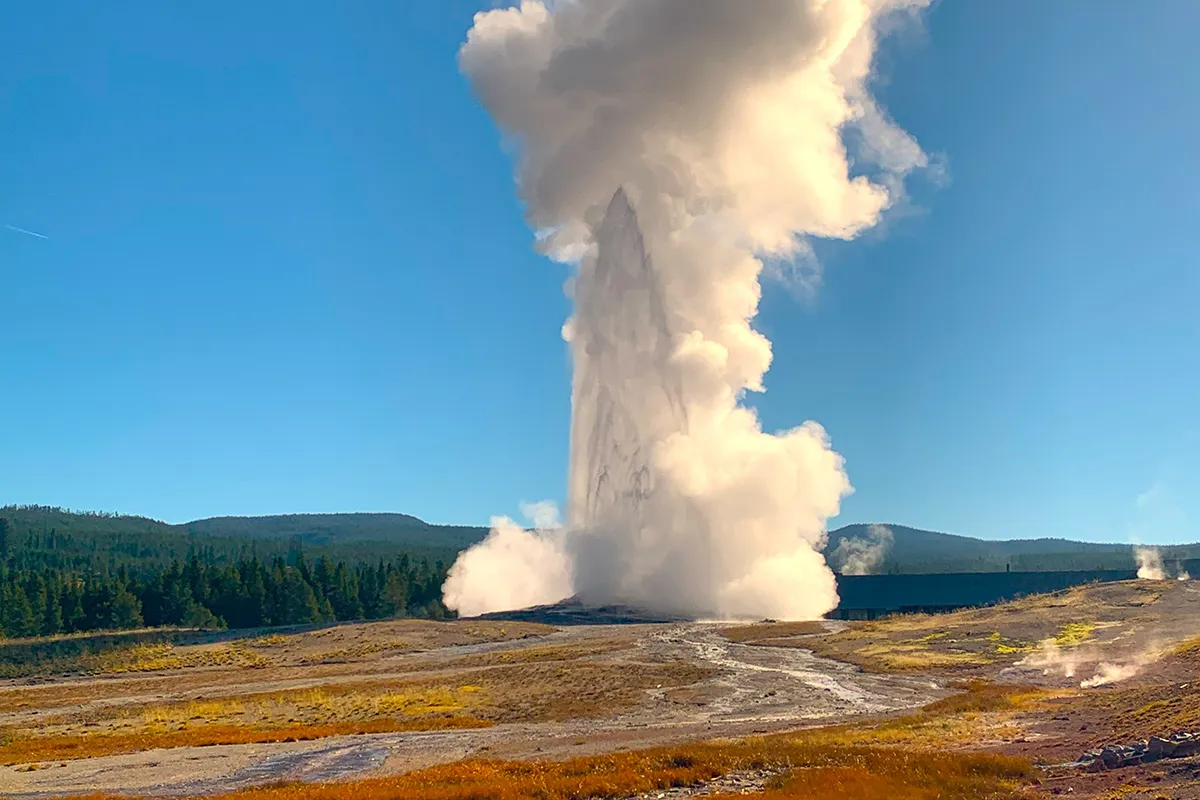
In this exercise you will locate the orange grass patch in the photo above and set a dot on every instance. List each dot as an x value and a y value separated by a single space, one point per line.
815 773
55 748
874 773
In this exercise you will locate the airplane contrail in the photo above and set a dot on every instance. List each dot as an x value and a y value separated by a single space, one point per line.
27 233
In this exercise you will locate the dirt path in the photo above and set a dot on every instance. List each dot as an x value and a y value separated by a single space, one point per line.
754 690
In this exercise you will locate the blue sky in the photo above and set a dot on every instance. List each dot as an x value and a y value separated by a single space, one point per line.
286 271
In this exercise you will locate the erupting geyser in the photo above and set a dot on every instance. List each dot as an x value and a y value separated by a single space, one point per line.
666 147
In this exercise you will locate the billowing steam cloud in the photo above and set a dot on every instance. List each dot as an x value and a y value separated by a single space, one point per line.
1053 659
1151 568
1150 564
863 555
669 148
512 567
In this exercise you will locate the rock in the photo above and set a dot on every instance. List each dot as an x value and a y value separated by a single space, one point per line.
1113 756
1162 747
1186 748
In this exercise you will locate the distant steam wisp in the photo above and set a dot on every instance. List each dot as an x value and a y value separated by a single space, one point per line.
863 555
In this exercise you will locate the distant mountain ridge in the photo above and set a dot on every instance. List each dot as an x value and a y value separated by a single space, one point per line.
911 549
915 550
349 528
340 529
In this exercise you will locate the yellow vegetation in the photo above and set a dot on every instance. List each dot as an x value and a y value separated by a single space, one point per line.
1188 649
1074 633
896 657
316 706
270 640
169 716
163 657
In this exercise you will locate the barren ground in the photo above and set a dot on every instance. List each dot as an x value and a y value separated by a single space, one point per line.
213 714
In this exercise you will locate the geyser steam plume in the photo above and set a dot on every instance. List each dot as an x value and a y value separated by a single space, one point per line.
863 555
669 148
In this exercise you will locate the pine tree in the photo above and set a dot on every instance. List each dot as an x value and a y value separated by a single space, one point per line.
51 594
16 615
52 617
200 617
255 611
72 605
36 591
343 593
395 595
297 601
124 610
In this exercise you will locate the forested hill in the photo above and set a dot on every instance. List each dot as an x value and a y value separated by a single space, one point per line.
918 551
341 529
56 538
62 572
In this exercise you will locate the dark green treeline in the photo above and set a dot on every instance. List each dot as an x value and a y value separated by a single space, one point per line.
201 591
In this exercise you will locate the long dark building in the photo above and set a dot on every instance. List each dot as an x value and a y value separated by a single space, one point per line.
871 596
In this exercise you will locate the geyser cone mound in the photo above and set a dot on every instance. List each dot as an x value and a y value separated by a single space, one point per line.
574 611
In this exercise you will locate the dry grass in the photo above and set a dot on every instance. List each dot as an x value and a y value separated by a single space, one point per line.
889 657
530 655
908 758
356 652
982 697
1188 652
175 650
557 691
1135 712
56 748
1159 704
1167 713
902 775
78 653
970 642
768 631
875 652
166 657
522 692
980 711
337 703
174 663
539 690
302 714
804 770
